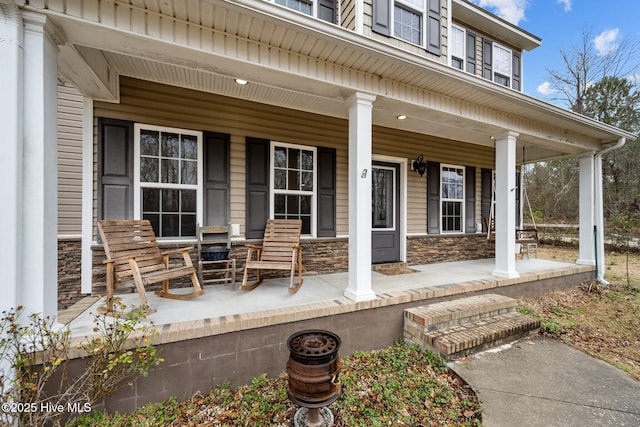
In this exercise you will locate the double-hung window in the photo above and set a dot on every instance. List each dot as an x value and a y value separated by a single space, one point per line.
458 47
293 184
452 198
168 177
303 6
502 72
408 20
321 9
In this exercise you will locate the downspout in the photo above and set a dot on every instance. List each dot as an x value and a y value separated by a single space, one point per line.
599 209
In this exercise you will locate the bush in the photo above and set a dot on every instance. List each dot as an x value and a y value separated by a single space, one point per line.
35 385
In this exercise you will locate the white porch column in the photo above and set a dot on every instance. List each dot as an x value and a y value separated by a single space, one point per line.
586 209
39 257
360 122
505 214
11 152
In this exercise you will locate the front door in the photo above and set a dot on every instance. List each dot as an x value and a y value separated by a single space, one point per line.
385 212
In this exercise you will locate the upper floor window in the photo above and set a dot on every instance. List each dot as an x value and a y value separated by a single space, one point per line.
407 20
457 46
415 21
501 65
168 177
293 184
323 9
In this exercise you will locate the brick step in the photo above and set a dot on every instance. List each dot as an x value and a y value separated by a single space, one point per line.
480 335
449 314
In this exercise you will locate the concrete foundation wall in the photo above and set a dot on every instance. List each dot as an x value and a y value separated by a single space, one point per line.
198 365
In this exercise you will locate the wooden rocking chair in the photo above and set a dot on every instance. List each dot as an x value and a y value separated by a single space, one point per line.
134 259
280 250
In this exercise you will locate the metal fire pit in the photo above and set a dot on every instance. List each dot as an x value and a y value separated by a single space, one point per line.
313 369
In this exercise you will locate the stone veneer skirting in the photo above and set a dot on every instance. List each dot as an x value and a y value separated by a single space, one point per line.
202 354
320 256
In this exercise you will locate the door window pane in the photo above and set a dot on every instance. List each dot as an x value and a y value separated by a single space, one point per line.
382 198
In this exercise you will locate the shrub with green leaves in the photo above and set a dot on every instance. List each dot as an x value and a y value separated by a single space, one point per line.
36 386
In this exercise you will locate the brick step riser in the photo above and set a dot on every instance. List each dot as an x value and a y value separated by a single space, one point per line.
489 345
458 319
440 313
488 334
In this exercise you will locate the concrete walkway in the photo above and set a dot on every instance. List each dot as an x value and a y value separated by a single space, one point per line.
543 382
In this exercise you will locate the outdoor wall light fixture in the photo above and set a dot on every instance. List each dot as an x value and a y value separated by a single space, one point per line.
419 165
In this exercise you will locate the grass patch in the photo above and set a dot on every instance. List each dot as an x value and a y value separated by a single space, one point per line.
399 386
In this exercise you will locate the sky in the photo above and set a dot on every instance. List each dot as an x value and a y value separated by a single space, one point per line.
561 25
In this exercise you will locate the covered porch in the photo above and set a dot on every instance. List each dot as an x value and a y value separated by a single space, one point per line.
232 336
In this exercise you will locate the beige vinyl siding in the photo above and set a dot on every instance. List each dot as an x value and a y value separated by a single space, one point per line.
409 145
401 44
69 161
348 14
152 103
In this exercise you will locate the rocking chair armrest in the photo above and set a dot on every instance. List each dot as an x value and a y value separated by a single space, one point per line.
252 246
177 250
127 258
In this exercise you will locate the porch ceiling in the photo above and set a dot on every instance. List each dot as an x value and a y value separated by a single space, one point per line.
298 62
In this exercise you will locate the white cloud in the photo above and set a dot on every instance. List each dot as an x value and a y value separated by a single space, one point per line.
566 4
546 89
510 10
606 41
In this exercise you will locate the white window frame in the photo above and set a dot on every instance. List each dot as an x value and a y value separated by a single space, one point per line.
395 201
494 48
412 7
314 7
138 185
313 194
448 199
463 58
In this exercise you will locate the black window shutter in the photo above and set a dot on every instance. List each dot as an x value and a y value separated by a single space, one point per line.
485 194
433 197
115 170
382 17
257 196
487 61
434 29
470 199
326 192
327 10
216 179
516 70
471 53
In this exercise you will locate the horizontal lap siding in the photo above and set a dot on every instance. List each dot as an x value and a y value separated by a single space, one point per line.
69 161
409 145
157 104
162 105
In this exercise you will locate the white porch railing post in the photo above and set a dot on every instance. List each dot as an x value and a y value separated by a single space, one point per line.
505 209
360 123
586 211
39 257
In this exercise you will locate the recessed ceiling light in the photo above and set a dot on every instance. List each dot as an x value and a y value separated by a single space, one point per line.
401 117
241 82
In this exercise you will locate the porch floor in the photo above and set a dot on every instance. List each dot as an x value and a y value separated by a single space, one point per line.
223 309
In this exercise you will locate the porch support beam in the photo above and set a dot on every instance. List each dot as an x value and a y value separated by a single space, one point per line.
38 289
90 72
505 209
586 211
360 130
